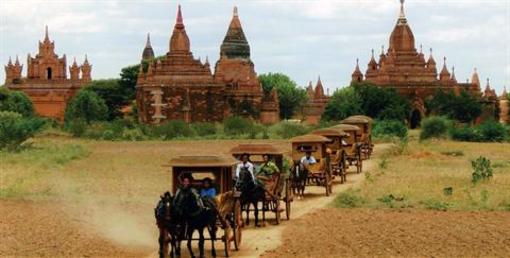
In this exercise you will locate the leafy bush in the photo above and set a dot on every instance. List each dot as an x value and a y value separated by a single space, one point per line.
491 131
173 129
389 128
204 128
288 129
464 108
466 133
77 127
15 129
133 135
482 169
108 135
16 101
434 127
349 199
236 125
86 105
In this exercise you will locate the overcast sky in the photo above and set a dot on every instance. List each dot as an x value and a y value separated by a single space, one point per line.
303 39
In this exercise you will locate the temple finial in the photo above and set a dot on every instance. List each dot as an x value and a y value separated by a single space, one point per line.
235 11
372 53
46 36
357 61
179 16
382 50
421 48
148 43
402 14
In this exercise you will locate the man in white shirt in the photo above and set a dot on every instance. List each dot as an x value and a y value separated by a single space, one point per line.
246 164
308 159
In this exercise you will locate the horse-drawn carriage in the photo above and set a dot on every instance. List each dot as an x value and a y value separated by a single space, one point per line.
317 172
225 212
338 155
365 124
270 190
351 145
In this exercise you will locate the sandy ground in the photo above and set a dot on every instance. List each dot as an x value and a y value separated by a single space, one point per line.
391 233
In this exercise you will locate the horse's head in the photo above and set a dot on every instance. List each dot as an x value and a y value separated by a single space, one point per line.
245 181
164 207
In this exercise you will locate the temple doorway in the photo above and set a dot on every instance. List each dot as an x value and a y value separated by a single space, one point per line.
48 73
415 119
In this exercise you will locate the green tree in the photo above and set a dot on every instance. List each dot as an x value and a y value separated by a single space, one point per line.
15 101
290 96
86 105
113 94
344 102
382 103
463 108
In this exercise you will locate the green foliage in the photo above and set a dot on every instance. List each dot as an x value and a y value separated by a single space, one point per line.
382 103
344 102
236 125
113 94
349 199
492 131
86 105
204 128
385 128
286 129
173 129
290 96
465 133
15 101
463 108
16 129
392 201
77 127
367 99
482 169
448 191
434 127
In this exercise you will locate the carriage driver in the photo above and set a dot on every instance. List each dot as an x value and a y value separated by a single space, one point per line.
267 170
186 188
244 164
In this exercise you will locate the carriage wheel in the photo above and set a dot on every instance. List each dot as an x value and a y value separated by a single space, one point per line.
288 199
237 224
227 240
277 211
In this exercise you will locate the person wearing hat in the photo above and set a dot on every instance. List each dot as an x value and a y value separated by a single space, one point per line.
185 189
266 172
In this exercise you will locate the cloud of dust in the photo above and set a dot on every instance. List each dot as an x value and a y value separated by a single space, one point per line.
108 218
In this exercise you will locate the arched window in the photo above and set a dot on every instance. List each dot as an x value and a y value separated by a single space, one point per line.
48 73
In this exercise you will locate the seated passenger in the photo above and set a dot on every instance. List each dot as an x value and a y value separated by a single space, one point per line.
208 190
267 170
244 165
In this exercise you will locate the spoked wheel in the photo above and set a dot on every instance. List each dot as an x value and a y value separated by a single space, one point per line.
237 225
288 199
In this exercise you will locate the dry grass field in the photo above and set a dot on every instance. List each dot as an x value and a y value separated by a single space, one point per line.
66 197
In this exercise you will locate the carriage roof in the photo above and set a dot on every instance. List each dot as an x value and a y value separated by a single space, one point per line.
347 127
310 138
358 119
203 161
332 132
255 149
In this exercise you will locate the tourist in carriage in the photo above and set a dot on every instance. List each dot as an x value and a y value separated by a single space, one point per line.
244 164
186 189
266 172
208 190
308 159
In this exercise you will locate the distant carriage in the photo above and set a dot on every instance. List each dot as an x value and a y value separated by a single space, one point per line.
280 191
352 146
365 123
320 173
338 154
220 170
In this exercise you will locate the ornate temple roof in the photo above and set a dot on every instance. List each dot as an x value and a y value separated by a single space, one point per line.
402 38
179 42
235 44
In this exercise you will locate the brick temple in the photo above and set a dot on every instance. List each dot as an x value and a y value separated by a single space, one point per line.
182 87
317 101
46 83
405 69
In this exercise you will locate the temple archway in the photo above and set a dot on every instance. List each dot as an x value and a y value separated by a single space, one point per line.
415 119
48 73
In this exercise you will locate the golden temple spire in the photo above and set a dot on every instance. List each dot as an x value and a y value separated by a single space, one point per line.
402 15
